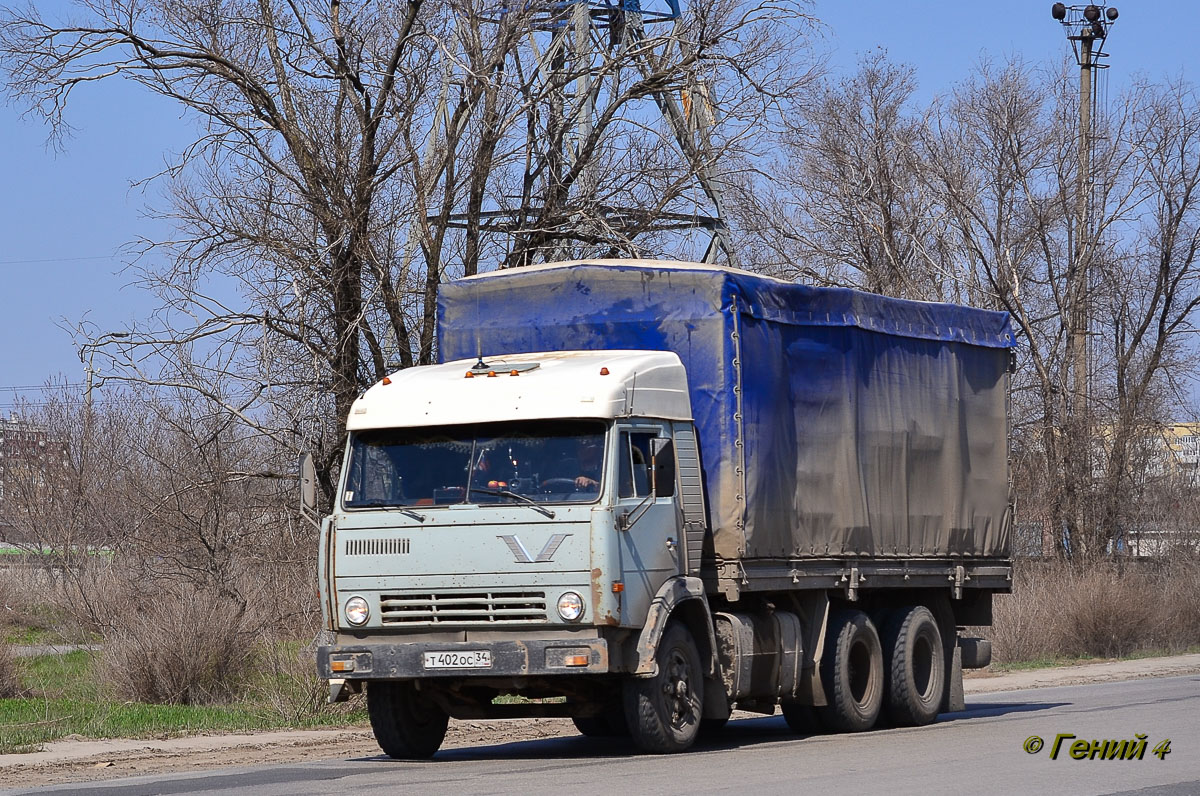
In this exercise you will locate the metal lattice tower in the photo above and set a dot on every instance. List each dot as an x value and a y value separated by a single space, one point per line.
579 44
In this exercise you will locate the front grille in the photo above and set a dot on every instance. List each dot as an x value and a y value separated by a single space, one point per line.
463 608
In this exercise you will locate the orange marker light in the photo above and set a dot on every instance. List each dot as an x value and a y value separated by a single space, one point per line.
618 587
491 374
469 375
386 380
515 373
603 371
576 660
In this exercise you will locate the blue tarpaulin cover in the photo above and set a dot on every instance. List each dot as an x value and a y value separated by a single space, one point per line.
832 423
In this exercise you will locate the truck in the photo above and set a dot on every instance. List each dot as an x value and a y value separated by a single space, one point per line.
641 494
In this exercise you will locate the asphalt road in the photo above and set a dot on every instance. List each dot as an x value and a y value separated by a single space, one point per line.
979 751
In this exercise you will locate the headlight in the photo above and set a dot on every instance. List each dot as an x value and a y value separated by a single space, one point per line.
357 610
570 606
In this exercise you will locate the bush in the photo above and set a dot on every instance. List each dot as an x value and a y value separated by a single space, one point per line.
1108 610
1181 595
1106 614
190 647
22 603
10 685
1024 622
291 686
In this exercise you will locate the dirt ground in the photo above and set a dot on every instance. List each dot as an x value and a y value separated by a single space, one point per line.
81 760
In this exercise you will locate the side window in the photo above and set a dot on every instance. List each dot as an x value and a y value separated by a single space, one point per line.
374 477
634 463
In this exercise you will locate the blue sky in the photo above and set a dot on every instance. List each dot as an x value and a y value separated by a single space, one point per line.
65 216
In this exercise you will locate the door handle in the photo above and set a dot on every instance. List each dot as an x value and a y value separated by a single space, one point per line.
671 543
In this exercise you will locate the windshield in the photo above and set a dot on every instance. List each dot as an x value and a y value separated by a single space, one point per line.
543 461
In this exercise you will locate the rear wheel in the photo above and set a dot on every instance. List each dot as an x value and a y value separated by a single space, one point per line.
851 672
664 711
408 725
916 667
801 719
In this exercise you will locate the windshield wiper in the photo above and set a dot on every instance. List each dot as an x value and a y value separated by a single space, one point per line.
383 504
533 504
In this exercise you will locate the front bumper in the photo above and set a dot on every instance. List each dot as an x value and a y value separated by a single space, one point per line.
406 661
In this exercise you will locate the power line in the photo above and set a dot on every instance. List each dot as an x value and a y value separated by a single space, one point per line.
34 387
58 260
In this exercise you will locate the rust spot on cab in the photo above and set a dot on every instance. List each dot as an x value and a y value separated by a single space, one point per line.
598 598
597 587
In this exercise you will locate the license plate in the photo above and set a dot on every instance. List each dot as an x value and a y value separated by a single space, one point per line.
470 659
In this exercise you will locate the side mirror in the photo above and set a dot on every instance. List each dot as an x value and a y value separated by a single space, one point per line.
662 466
308 488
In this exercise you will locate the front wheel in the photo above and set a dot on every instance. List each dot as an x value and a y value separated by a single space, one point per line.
664 711
408 725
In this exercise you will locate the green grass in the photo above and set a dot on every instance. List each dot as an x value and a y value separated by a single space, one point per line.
30 636
1052 663
1039 663
65 700
26 724
51 552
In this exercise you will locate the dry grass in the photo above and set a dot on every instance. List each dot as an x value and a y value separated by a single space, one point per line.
1181 593
1105 611
290 685
10 686
1107 615
186 647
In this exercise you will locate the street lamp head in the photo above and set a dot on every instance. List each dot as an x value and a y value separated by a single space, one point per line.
1058 11
1111 13
1091 13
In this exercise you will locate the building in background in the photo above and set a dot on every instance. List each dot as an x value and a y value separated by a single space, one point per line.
23 451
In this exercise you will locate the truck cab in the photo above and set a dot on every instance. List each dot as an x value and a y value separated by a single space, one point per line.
505 526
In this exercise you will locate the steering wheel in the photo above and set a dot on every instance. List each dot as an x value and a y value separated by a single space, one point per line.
559 485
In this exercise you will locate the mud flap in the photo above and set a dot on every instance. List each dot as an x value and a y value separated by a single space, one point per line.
340 689
955 699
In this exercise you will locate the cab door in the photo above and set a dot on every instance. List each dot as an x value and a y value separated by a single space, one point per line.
648 519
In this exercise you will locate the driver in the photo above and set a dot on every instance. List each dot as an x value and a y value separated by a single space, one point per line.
591 456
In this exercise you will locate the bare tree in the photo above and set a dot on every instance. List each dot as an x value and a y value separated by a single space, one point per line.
852 208
351 155
974 199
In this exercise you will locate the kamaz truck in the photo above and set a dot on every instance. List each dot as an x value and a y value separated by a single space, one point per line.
642 494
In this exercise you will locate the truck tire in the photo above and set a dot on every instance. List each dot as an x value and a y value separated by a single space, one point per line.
801 719
916 667
711 728
609 723
407 724
851 672
594 726
664 711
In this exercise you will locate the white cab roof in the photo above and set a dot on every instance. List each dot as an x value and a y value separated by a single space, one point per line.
562 384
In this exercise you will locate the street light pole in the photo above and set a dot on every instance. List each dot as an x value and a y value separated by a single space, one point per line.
87 389
1080 308
1087 30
